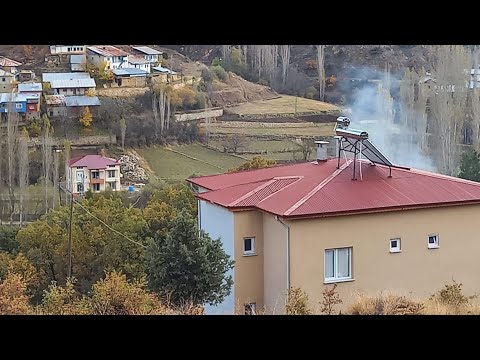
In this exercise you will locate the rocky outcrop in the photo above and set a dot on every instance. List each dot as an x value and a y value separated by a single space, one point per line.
131 170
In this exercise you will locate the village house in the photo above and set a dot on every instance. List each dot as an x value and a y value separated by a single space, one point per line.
9 65
149 54
93 172
6 81
76 104
55 105
138 62
70 106
114 57
130 77
67 49
25 75
364 226
34 96
78 62
13 102
165 75
72 87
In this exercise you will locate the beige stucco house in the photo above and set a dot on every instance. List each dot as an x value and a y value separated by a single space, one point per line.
310 225
93 172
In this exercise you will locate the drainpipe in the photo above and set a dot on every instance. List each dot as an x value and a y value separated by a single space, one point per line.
288 249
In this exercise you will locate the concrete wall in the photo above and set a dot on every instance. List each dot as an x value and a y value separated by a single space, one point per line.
218 223
415 271
135 81
210 113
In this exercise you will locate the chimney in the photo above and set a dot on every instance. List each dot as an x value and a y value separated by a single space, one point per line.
322 150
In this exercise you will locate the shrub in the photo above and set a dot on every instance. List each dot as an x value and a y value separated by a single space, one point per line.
297 303
219 72
451 294
330 299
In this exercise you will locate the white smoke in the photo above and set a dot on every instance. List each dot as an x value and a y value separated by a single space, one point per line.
373 109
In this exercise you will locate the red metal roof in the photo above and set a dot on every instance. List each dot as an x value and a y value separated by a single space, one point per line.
320 189
93 162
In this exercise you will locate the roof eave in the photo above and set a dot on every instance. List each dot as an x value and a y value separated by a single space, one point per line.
379 210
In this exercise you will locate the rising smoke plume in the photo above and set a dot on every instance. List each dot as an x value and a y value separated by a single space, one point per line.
373 109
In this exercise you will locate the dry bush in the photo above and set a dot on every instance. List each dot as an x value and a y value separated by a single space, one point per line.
450 301
297 303
385 304
330 299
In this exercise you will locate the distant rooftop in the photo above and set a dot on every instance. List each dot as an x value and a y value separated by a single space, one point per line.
48 77
78 59
93 161
4 61
55 99
72 83
163 70
73 101
147 50
26 87
13 97
137 60
107 50
130 72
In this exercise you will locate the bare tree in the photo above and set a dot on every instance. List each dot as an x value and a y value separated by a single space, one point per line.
12 128
123 131
67 155
55 175
226 49
475 101
321 71
451 66
285 57
156 120
46 156
234 143
407 101
23 170
305 147
420 109
161 106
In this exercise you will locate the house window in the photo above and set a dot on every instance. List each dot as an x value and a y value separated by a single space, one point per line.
248 246
95 174
433 241
250 309
3 79
395 245
96 187
80 188
18 106
112 185
111 173
338 264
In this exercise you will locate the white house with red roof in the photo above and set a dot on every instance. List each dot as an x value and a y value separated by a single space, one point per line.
93 172
367 229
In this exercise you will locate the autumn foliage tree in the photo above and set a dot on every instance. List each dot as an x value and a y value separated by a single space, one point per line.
87 118
257 162
13 297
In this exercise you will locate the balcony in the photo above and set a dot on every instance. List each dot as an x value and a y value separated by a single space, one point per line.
97 181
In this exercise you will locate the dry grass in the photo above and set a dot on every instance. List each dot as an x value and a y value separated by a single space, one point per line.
285 104
384 304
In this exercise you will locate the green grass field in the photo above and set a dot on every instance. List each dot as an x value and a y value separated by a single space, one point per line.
170 165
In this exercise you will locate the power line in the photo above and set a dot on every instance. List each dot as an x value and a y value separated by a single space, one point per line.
101 221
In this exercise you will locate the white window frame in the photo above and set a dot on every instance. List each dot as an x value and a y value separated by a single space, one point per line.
398 248
252 251
94 186
335 279
252 306
18 106
108 173
435 245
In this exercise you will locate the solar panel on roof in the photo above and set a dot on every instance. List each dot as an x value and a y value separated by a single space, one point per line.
371 152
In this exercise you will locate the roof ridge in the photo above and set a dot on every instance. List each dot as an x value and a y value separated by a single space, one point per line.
263 186
441 176
318 187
